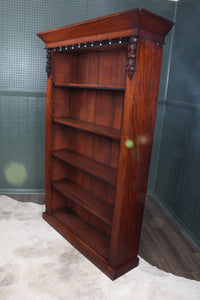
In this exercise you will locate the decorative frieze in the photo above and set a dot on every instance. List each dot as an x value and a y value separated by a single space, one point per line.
92 44
131 56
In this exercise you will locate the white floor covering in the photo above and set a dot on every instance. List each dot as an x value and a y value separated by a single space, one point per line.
36 263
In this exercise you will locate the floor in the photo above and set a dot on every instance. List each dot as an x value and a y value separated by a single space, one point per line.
162 242
164 245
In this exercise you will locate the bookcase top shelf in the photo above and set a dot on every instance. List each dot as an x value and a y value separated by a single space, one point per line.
135 22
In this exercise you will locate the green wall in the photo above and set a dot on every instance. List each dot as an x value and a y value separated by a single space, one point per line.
177 184
174 173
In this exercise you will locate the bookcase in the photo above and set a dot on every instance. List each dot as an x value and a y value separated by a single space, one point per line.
102 89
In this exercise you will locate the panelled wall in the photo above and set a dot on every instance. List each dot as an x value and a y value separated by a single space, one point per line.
177 183
22 138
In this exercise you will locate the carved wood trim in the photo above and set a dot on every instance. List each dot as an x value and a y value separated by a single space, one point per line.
48 63
131 56
100 43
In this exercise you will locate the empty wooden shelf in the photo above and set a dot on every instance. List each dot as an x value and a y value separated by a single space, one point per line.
102 89
84 232
87 164
86 199
92 86
92 127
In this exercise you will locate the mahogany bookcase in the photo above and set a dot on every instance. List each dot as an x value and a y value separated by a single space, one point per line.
102 88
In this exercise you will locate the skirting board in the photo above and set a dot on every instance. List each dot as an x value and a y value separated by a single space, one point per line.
21 191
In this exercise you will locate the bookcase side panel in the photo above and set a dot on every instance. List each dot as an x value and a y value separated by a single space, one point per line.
60 102
49 99
135 151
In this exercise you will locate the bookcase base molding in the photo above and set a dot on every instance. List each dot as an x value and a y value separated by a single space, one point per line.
102 89
88 252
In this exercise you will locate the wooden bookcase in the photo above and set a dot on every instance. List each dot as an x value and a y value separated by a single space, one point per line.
102 89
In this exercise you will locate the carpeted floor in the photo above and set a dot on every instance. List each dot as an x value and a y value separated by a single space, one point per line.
36 263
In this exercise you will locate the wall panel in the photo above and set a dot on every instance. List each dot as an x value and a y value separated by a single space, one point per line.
185 66
178 174
177 184
22 136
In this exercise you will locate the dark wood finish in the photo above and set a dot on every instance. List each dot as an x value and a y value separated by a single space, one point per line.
49 100
102 189
61 201
98 129
86 164
92 86
101 108
97 255
120 43
138 126
131 57
48 63
89 234
90 69
86 199
136 22
98 148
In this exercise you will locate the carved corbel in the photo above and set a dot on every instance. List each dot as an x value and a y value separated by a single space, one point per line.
131 56
48 63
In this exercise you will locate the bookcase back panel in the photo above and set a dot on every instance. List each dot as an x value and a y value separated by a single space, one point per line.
82 104
96 147
84 68
61 67
96 67
112 67
103 190
96 106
